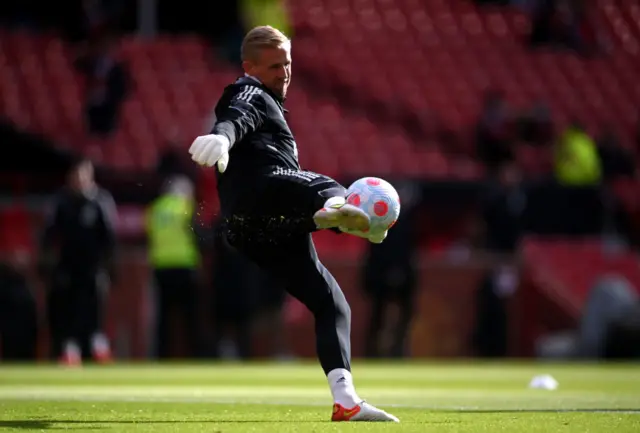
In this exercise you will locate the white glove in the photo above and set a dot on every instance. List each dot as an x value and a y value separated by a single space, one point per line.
377 238
211 149
373 238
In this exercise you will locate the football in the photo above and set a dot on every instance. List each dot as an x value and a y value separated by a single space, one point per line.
379 199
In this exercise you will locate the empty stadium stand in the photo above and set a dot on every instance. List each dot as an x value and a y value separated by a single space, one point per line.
440 55
410 56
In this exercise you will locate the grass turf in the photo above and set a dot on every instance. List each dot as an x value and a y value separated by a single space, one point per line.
262 397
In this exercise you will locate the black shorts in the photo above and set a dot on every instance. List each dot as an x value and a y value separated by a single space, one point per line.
280 204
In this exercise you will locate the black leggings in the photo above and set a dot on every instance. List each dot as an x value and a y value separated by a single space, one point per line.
75 307
274 230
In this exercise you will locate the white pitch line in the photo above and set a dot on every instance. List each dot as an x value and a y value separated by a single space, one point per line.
429 399
272 402
290 392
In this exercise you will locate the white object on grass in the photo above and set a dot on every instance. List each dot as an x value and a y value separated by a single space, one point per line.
543 381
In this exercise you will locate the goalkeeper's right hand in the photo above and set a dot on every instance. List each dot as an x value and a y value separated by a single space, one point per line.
211 149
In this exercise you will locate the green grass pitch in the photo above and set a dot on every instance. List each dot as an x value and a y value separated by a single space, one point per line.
266 397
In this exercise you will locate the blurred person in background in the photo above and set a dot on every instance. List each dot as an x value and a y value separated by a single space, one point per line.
174 256
619 168
390 280
107 86
616 161
564 23
576 158
272 12
502 209
609 325
77 259
535 126
91 21
235 17
493 140
228 30
236 283
245 299
173 161
18 311
270 316
544 24
502 221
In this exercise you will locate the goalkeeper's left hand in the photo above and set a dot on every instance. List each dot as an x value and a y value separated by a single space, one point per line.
374 238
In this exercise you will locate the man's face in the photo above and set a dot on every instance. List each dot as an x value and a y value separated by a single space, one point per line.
82 177
272 66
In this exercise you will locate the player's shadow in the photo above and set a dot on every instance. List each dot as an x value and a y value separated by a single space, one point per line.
40 425
63 424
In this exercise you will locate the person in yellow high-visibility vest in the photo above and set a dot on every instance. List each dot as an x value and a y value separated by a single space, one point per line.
577 162
266 12
175 258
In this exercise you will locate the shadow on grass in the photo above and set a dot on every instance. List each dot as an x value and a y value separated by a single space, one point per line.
95 424
41 425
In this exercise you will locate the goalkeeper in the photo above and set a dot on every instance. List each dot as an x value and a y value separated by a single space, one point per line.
270 206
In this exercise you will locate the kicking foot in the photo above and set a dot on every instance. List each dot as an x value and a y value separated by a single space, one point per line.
361 412
337 213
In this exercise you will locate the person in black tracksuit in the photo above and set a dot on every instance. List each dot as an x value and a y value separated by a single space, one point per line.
389 280
18 310
269 205
77 254
236 283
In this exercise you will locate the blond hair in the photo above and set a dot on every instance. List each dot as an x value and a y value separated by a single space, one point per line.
263 37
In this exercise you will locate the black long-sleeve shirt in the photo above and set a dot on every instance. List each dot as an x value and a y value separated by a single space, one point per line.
79 231
253 119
